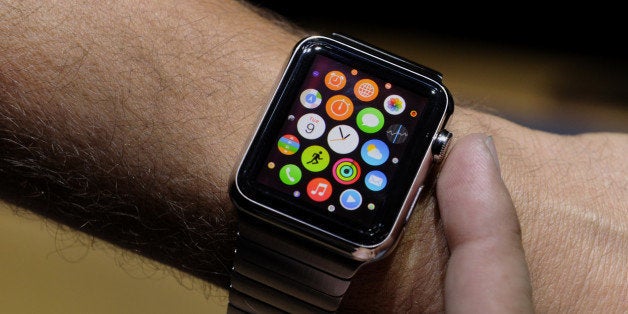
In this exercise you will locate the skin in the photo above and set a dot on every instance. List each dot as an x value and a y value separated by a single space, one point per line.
486 271
114 118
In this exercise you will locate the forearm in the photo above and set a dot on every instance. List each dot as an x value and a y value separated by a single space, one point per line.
126 121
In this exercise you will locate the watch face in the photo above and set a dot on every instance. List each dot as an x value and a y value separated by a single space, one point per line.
342 142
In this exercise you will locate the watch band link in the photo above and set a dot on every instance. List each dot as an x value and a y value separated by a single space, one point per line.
276 271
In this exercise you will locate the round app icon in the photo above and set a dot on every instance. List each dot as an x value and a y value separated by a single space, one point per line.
346 171
319 189
288 144
375 180
394 104
311 126
365 90
311 98
370 120
397 133
335 80
290 174
374 152
315 158
343 139
339 107
350 199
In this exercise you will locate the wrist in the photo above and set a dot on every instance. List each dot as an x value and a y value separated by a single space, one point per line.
545 174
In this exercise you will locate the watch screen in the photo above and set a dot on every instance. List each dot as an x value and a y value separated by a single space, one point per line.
343 147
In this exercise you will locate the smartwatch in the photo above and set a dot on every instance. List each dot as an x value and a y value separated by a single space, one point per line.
332 173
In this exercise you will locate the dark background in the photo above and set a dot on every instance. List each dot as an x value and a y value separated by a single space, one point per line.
557 68
591 29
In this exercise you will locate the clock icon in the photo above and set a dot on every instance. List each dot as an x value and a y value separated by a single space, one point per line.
343 139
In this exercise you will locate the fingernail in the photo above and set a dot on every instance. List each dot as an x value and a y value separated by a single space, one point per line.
491 148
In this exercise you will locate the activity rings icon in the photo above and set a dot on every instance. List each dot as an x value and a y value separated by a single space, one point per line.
346 171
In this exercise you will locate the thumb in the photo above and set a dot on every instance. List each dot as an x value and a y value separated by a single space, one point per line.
486 271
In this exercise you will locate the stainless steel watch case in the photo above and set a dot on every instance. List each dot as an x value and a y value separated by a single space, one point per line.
435 151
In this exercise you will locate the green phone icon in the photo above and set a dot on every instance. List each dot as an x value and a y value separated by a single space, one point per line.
290 174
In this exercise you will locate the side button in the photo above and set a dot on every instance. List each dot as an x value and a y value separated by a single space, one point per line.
439 148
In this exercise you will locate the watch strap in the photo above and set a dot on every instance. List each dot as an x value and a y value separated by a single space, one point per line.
278 271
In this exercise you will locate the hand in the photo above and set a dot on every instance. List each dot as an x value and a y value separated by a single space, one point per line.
487 270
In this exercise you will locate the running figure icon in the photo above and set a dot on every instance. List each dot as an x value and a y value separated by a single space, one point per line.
316 157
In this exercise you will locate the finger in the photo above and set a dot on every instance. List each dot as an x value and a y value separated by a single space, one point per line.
487 271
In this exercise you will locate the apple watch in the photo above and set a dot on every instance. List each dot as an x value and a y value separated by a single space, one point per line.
332 173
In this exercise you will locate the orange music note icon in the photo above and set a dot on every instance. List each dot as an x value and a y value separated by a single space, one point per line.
319 189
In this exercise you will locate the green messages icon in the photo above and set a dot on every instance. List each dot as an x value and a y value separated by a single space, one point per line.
370 120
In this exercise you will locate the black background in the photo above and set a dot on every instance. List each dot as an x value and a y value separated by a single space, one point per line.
592 28
585 87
